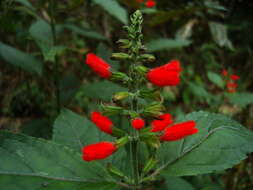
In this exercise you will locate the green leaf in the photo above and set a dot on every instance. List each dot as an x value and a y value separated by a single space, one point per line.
219 34
242 99
114 8
216 79
93 90
74 131
166 44
44 164
20 59
220 144
26 3
39 183
176 183
85 32
41 32
198 90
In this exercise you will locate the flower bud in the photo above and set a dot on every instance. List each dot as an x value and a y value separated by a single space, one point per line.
154 109
138 123
125 43
111 110
150 93
120 56
121 95
147 57
119 76
141 69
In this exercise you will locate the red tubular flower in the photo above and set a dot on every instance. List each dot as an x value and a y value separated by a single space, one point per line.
150 3
160 125
102 122
179 131
166 75
234 77
98 151
138 123
98 65
231 87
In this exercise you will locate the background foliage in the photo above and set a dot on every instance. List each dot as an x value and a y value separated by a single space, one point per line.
43 71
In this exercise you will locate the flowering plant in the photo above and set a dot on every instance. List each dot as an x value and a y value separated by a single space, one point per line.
140 153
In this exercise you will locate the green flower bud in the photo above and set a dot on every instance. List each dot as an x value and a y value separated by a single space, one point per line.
141 69
121 95
154 109
120 56
147 57
111 110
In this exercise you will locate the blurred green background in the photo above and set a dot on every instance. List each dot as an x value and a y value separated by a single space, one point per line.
43 44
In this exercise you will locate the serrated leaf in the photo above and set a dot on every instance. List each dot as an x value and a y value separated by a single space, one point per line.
216 79
93 90
220 144
27 158
241 98
74 131
85 32
114 8
166 44
20 59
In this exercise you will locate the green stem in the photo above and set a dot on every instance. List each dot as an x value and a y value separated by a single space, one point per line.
52 8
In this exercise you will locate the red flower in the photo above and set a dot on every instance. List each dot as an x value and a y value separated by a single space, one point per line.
234 77
179 131
224 72
159 125
138 123
150 3
102 122
231 87
166 75
98 65
98 151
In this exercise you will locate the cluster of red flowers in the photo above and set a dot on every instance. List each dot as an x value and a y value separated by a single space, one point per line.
231 81
148 3
163 126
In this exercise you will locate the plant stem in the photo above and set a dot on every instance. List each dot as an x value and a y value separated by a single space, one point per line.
52 8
